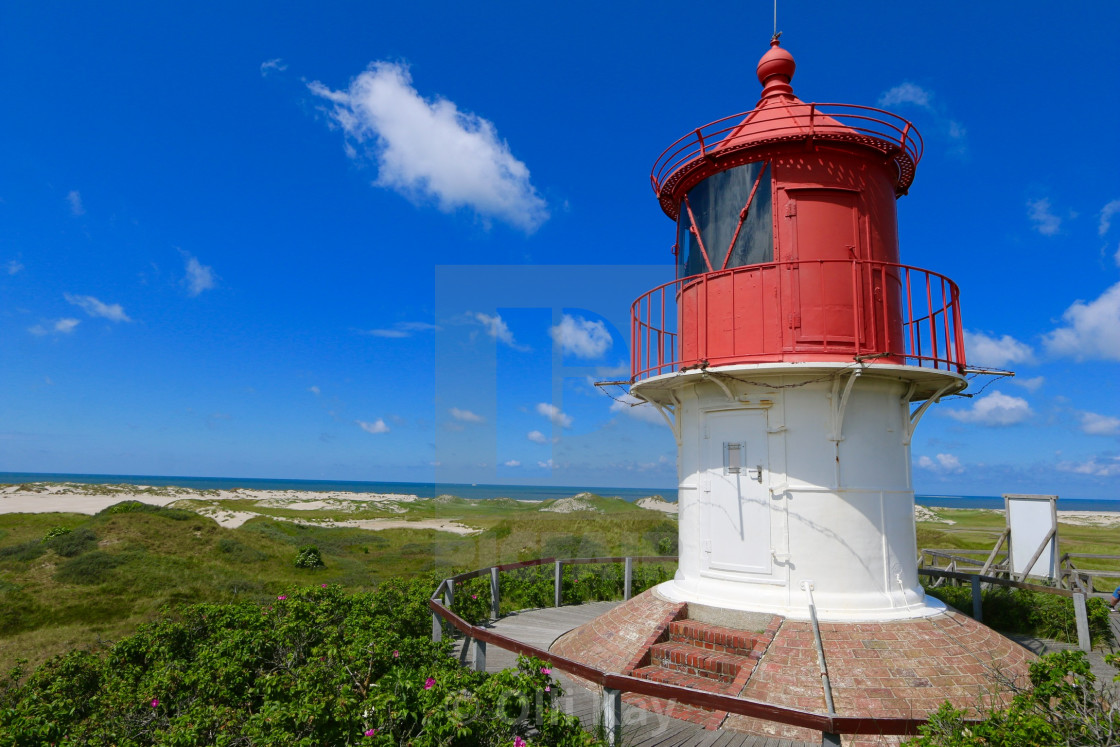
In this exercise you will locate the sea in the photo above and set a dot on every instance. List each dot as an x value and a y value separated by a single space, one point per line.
475 491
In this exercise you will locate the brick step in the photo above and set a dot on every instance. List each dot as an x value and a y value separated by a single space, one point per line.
676 677
713 637
689 659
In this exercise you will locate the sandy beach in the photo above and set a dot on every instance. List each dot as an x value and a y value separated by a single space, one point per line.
40 498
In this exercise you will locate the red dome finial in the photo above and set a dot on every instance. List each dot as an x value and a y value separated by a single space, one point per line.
775 70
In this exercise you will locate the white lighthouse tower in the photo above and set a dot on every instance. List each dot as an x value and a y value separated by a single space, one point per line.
793 357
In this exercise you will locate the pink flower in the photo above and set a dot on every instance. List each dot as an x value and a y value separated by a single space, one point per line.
518 742
155 702
428 683
323 586
546 670
282 597
548 688
474 596
396 654
370 732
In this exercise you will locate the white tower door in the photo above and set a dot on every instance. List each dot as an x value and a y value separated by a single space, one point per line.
736 498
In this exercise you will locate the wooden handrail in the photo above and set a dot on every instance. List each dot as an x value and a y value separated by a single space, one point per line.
618 683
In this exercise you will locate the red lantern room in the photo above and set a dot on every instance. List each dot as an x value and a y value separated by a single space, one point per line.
787 243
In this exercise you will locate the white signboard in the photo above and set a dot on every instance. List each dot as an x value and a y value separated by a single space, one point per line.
1033 523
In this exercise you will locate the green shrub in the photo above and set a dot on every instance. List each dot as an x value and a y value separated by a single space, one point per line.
309 557
139 507
23 551
1062 706
1029 612
240 552
91 568
56 532
71 543
315 667
572 546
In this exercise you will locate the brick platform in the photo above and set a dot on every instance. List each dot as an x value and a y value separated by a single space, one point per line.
891 669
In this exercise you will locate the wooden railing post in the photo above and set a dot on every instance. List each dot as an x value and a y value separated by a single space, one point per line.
628 583
479 655
977 602
437 629
494 600
612 716
1084 641
558 583
448 593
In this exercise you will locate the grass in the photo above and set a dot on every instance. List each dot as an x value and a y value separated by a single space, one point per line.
114 571
980 530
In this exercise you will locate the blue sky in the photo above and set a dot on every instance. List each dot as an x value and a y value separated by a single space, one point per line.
391 241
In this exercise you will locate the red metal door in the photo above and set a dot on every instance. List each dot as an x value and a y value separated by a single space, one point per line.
825 229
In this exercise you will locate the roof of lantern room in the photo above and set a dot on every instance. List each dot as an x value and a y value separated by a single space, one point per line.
781 118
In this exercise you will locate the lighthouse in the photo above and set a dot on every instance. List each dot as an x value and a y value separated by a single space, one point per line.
794 355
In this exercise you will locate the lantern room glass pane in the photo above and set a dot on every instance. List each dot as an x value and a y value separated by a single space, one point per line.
716 204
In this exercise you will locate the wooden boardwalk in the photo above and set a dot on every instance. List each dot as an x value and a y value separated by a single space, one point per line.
640 728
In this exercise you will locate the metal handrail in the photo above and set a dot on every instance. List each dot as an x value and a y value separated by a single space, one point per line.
863 124
620 683
927 303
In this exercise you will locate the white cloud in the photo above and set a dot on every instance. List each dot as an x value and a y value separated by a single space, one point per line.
14 266
497 328
995 409
75 200
637 409
580 337
377 426
537 437
1107 212
1092 330
400 330
553 413
1045 222
907 93
983 350
275 64
944 463
1109 468
1031 385
512 463
1099 425
430 149
93 307
546 464
314 390
61 327
466 416
199 277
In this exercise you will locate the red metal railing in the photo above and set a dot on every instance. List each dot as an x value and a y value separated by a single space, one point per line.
875 128
810 310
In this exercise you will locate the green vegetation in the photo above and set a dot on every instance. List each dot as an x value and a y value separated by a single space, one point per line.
98 582
315 666
1063 706
980 530
1030 612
